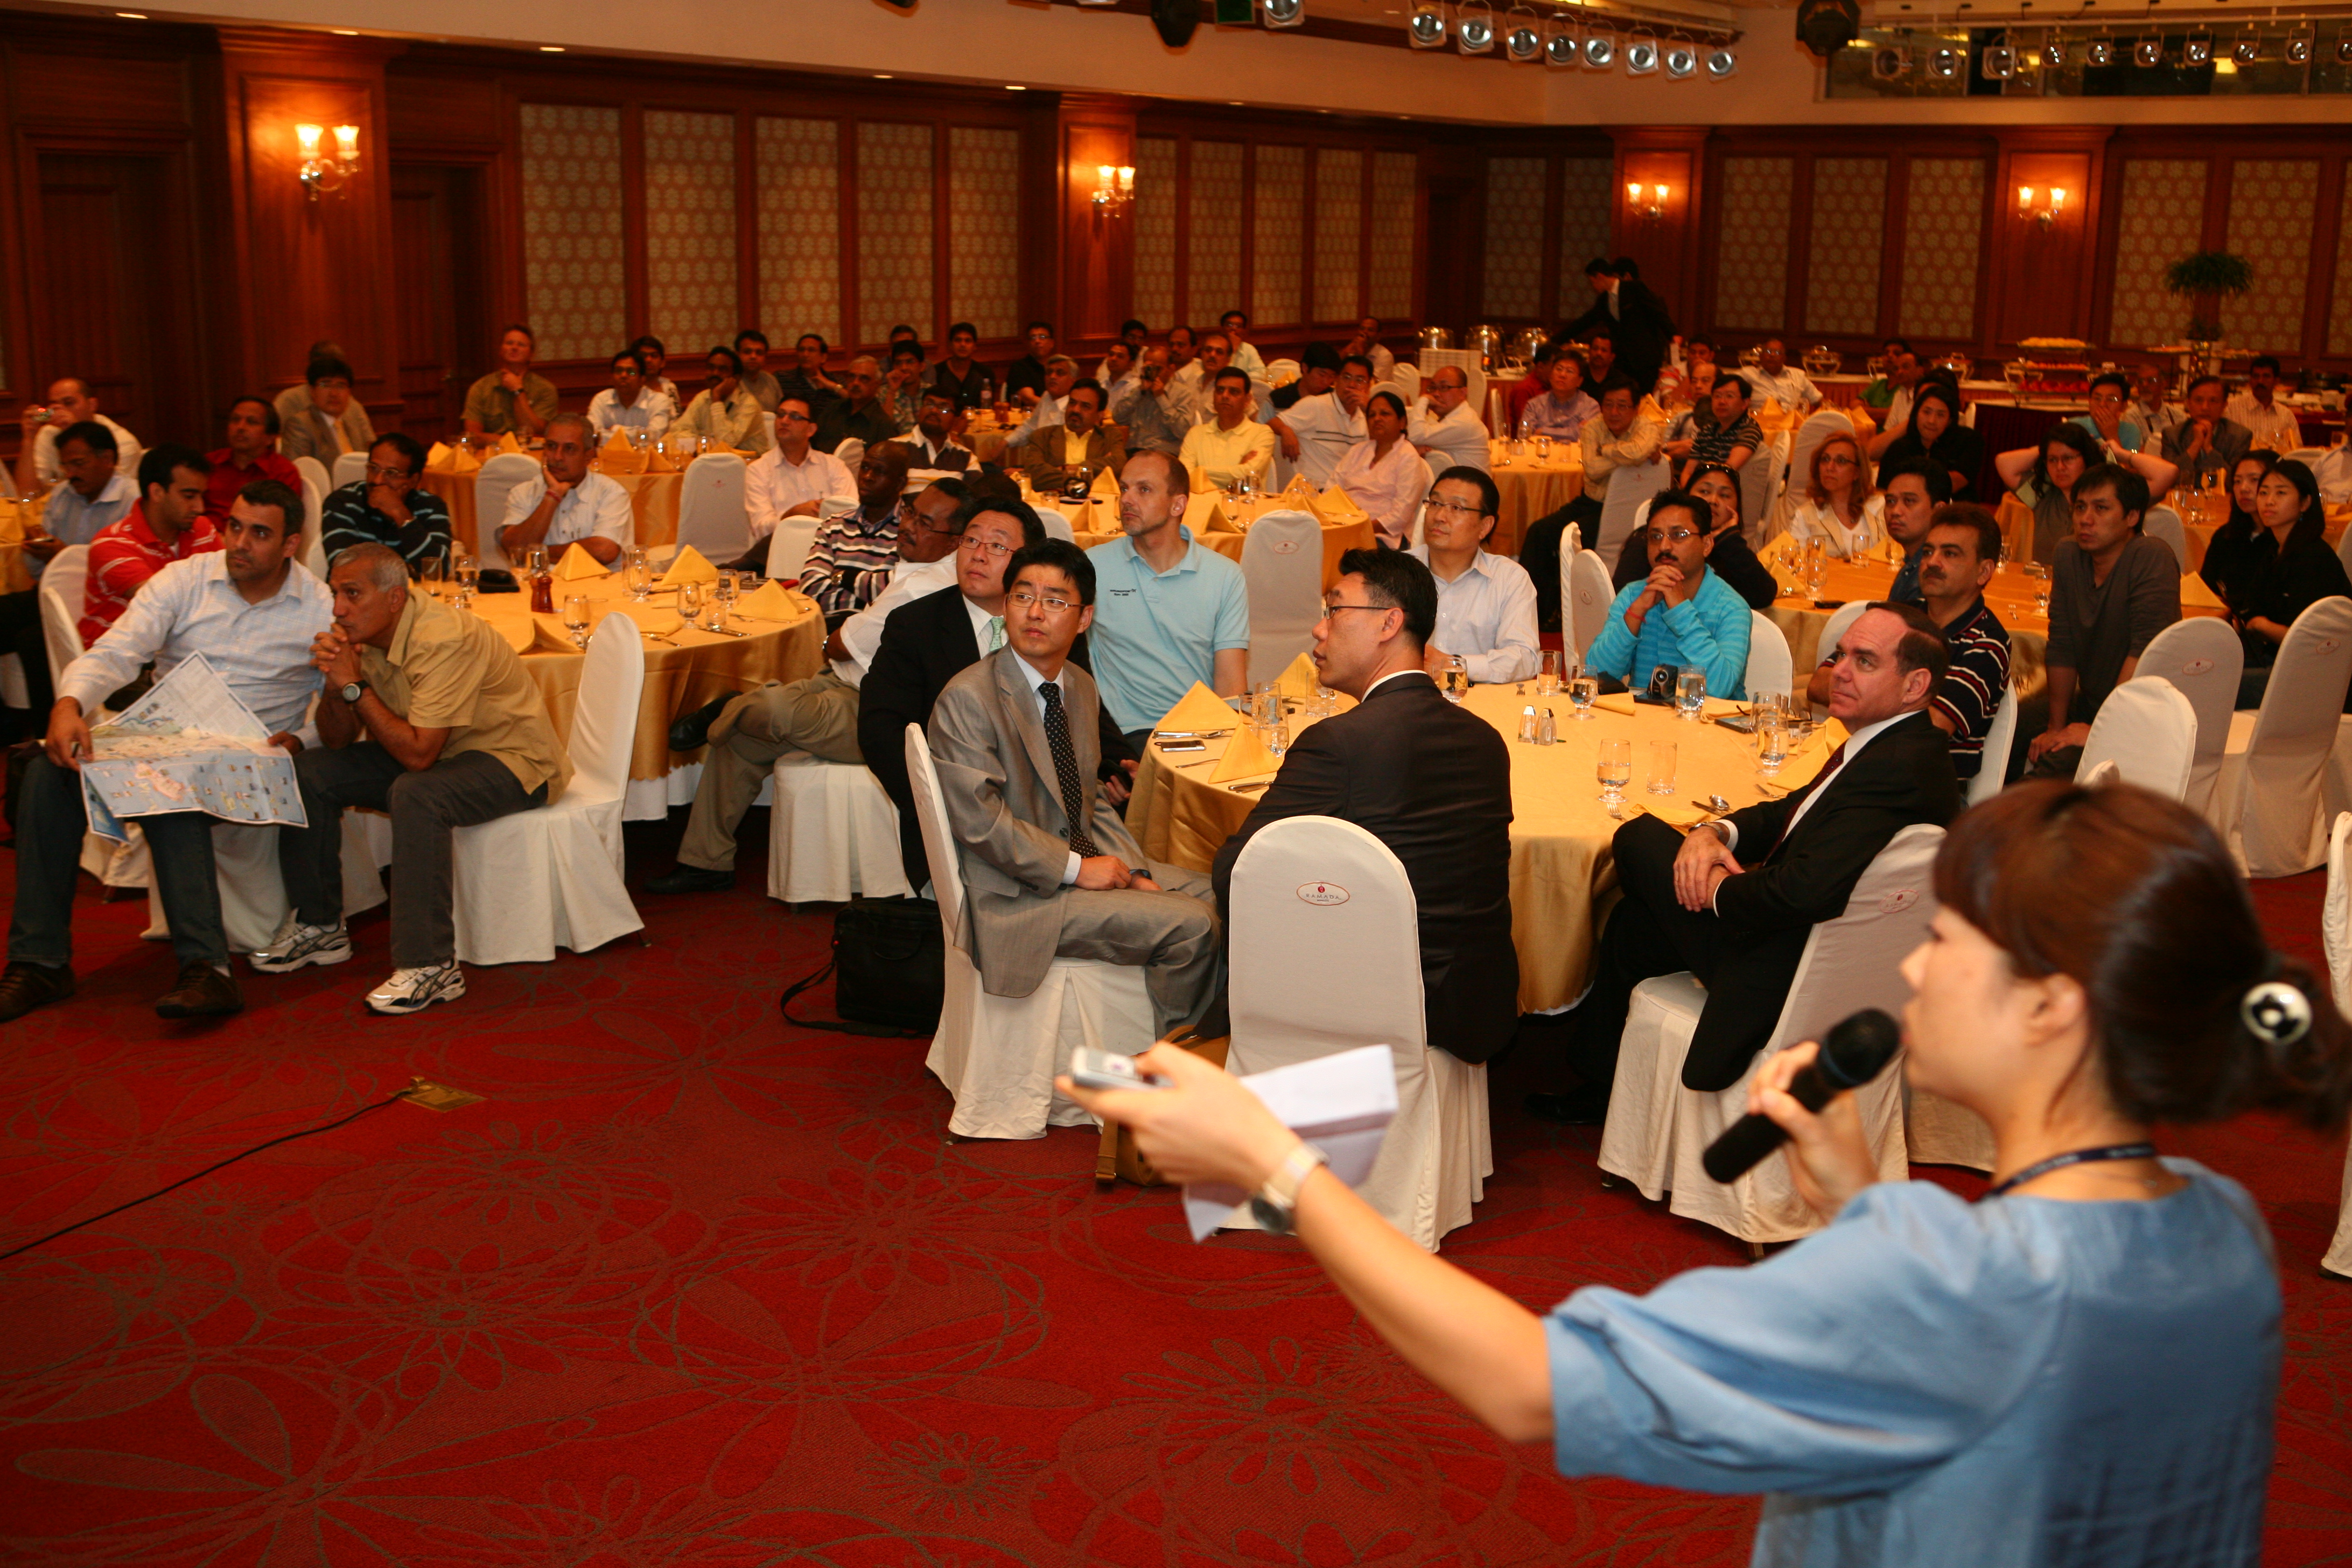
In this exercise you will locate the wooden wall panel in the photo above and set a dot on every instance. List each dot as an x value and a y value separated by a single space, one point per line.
1848 236
2272 201
1097 245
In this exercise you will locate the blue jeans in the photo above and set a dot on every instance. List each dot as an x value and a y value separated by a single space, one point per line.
50 822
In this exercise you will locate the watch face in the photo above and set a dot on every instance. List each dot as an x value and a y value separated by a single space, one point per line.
351 692
1271 1219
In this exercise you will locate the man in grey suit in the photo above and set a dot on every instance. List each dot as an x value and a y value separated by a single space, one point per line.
1048 874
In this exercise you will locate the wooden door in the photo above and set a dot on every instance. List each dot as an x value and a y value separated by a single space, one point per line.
1448 286
436 227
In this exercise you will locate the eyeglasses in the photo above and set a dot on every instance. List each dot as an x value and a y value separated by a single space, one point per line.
985 547
1459 508
384 471
1335 610
1022 599
794 418
1671 536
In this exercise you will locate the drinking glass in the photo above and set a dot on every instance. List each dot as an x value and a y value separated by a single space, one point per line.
1548 673
467 573
1458 679
1543 448
2040 575
1816 564
1662 767
430 570
1771 740
636 573
1613 768
576 618
1581 690
689 602
1690 692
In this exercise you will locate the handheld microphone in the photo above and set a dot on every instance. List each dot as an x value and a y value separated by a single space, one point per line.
1855 1050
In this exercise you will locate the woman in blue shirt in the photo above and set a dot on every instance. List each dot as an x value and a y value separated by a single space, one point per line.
2078 1369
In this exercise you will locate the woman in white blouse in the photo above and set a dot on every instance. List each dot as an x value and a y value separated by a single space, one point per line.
1840 505
1382 473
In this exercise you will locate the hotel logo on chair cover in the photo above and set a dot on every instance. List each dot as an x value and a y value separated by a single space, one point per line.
1322 893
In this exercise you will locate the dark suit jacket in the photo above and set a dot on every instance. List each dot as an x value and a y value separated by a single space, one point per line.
925 645
1048 478
1433 784
1640 330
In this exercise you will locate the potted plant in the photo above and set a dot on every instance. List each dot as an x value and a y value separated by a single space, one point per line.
2204 279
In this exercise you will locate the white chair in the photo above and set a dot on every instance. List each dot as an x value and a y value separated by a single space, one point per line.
788 548
1586 609
497 477
2266 799
998 1055
833 834
2105 771
2336 932
349 469
314 509
1758 493
1992 766
1771 664
1658 1129
2148 730
1057 524
1282 565
1407 377
1366 949
852 452
2202 658
2344 550
1631 491
2163 522
1276 369
1819 426
59 599
710 515
549 877
768 423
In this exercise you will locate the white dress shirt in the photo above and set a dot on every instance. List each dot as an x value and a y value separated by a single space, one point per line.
127 450
1327 431
773 485
1035 684
2155 423
652 411
1390 489
1792 388
261 652
1246 358
861 634
2273 428
1046 415
67 517
1113 391
595 507
1853 745
1486 617
1458 440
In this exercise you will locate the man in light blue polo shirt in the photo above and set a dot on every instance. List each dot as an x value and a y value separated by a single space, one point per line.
1167 612
1682 613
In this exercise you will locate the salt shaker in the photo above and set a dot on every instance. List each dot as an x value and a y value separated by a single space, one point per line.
1546 731
1527 722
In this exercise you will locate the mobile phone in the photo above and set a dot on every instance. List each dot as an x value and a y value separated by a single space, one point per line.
1181 746
1092 1068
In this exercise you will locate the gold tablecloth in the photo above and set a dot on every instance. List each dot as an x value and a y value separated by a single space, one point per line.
2200 534
2011 594
1531 487
653 498
1560 833
2017 528
1097 523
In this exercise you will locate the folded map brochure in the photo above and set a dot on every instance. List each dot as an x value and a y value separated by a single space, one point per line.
1341 1103
187 745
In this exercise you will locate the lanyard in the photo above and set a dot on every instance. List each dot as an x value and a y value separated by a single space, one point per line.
2075 1157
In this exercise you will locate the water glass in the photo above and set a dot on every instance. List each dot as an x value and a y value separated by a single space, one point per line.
1548 673
430 570
1581 692
467 573
576 618
1614 768
1771 740
1458 679
636 573
1690 692
689 602
1662 767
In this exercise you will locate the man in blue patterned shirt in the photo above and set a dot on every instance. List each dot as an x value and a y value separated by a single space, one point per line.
1682 613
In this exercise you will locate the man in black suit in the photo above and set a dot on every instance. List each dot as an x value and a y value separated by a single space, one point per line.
1639 327
928 643
1429 779
1735 901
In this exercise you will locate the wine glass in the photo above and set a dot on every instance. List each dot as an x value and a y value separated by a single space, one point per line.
575 618
468 573
1690 692
1614 768
689 602
1458 679
636 573
1662 767
1581 692
1548 673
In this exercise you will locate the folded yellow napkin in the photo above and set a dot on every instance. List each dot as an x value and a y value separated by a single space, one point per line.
2195 593
658 619
522 633
1675 813
507 442
768 602
1335 508
1198 708
658 460
1299 679
1622 702
689 567
438 456
1298 490
1245 757
579 566
1106 486
463 461
550 635
1220 521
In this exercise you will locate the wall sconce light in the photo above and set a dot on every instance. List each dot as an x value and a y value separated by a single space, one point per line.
2051 209
322 172
1652 207
1114 186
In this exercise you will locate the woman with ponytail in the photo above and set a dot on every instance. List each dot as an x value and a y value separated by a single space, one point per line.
2079 1368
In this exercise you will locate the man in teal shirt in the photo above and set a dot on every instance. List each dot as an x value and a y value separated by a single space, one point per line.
1167 611
1682 613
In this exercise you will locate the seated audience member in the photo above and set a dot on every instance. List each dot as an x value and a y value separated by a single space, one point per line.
858 413
931 444
429 716
1689 400
1838 506
251 454
1724 433
2256 410
1216 355
1184 366
566 502
1045 411
290 403
1154 415
723 413
1367 342
1961 554
514 399
2111 589
903 385
1528 387
1025 378
2044 477
167 524
2205 438
334 424
1619 438
1561 411
851 558
71 403
1485 605
252 614
390 506
1076 449
1430 780
1316 433
2108 414
1118 375
969 384
1169 611
1935 432
1904 373
1445 429
752 348
1785 384
1879 395
1382 473
807 379
1133 335
1682 613
2149 411
1912 491
2289 567
1318 369
793 478
749 731
654 357
1243 354
2225 568
1229 446
92 492
1729 556
1049 873
1736 901
629 403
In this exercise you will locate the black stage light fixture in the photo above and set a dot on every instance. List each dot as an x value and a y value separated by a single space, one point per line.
1599 47
1825 26
1427 26
1682 62
1560 48
2298 45
1721 63
1641 55
1473 27
1890 64
1176 21
1523 35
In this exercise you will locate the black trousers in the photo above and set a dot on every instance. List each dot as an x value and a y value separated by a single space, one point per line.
1539 552
21 634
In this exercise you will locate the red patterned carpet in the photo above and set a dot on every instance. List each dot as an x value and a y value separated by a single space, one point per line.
694 1287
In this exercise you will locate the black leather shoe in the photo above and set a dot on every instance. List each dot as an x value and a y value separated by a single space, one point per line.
25 987
1585 1106
203 991
691 880
692 731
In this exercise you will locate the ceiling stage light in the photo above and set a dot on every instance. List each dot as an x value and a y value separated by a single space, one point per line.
1720 64
1427 28
1283 13
1682 62
1641 55
1473 27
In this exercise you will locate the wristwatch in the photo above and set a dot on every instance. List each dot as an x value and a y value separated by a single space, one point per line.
351 689
1274 1205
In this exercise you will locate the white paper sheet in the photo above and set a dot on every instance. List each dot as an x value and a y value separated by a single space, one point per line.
188 745
1340 1103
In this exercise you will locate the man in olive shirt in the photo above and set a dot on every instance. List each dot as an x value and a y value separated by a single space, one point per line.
427 714
513 399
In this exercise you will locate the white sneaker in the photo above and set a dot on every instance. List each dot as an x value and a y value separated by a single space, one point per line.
413 990
298 944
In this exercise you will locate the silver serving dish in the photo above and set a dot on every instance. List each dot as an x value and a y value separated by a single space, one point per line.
1436 338
1487 342
1823 360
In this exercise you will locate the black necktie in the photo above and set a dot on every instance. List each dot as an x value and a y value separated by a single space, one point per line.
1066 766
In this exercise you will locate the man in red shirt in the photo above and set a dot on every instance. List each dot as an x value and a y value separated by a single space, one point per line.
167 524
251 454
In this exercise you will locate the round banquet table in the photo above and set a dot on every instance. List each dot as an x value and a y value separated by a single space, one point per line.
1531 487
681 675
1097 524
653 498
1560 833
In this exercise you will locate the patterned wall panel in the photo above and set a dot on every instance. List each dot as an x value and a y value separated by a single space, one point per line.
2163 219
984 229
894 228
1339 233
799 176
2339 306
1155 231
1514 226
1278 255
1848 241
1214 283
2270 203
1943 224
573 284
1752 283
1586 189
1394 176
690 228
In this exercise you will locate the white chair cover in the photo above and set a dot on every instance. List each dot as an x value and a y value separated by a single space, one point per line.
2203 658
1057 523
851 451
788 548
314 511
1657 1130
498 476
253 900
2148 730
2267 799
1760 488
2105 771
1282 565
1771 663
2163 522
64 582
1586 604
349 469
998 1055
2336 931
1282 367
768 423
1992 768
1631 489
537 881
833 834
710 515
1365 950
1407 376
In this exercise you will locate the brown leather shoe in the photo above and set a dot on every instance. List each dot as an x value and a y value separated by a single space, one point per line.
203 991
25 987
